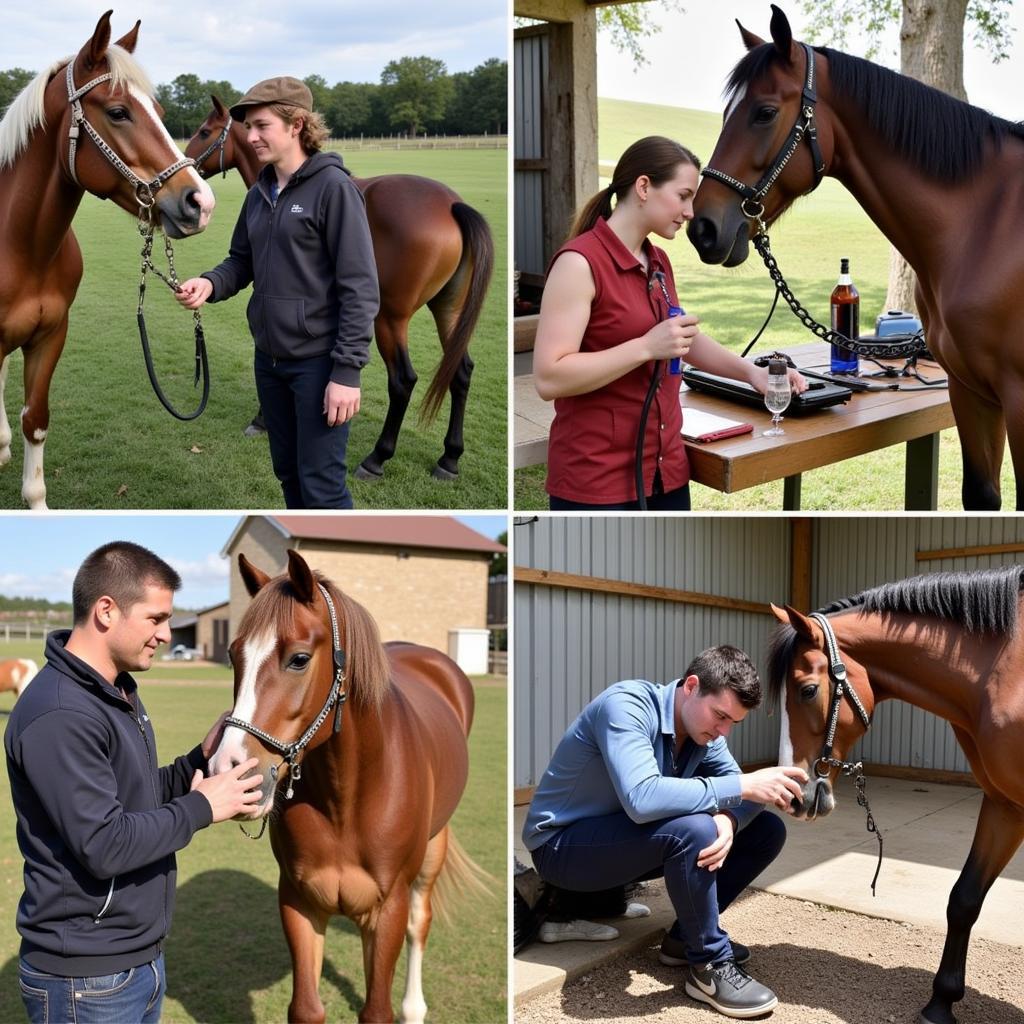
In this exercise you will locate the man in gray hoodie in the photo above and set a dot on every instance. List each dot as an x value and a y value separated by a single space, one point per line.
303 242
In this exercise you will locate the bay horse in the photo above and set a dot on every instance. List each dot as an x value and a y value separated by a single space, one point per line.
431 250
949 643
942 180
363 828
16 674
87 123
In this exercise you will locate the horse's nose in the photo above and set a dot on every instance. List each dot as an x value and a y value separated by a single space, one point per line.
703 235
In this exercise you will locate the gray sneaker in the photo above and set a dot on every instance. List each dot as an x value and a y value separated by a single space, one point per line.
730 990
673 952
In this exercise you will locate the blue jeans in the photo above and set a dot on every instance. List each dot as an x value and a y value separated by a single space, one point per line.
599 853
308 456
133 996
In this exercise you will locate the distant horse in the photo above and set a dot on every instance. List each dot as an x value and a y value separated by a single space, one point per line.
16 674
431 249
86 124
942 180
363 829
950 643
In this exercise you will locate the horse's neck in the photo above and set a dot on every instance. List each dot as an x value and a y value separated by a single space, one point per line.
38 203
245 159
929 663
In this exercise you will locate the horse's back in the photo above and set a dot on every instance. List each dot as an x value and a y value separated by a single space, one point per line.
414 667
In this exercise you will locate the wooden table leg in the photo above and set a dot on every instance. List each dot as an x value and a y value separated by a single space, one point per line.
922 474
791 493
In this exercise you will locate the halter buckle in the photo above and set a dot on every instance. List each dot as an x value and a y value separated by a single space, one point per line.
144 195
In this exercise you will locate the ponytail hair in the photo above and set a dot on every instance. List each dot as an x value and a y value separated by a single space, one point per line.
653 156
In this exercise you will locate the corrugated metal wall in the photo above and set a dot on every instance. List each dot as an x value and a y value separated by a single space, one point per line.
530 60
569 645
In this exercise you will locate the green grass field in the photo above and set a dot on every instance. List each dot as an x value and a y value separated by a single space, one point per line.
226 956
111 444
808 243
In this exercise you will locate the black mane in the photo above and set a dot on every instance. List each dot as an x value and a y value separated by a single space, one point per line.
982 602
943 137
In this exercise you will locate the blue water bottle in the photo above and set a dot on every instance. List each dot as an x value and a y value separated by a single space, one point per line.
676 365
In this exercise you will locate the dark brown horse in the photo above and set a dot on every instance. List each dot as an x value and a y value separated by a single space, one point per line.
942 180
372 741
950 643
431 249
16 674
88 124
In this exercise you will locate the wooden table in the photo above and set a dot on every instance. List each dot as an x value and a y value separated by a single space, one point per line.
868 422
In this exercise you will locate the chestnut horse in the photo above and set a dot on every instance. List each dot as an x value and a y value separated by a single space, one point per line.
363 828
431 250
88 123
949 643
942 180
16 674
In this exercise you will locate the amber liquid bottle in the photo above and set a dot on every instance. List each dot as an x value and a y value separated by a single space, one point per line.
845 320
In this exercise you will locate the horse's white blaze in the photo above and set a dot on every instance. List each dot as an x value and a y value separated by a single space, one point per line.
232 748
205 193
414 1006
5 426
741 92
785 742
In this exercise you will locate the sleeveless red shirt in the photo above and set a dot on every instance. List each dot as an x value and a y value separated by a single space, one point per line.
592 444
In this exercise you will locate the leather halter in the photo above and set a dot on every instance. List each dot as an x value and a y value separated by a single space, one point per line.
752 203
144 190
335 699
840 687
218 143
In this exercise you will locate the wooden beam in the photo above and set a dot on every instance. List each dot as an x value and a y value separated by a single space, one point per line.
801 558
982 549
570 581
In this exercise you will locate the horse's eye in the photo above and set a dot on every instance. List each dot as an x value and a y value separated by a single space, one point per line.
765 115
808 693
204 133
118 114
297 662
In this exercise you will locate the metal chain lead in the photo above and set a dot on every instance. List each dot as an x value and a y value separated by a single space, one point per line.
855 770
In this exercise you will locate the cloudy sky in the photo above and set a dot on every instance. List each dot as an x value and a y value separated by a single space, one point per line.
41 554
692 56
341 40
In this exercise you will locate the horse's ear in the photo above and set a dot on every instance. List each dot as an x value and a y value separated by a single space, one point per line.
779 614
750 41
805 627
253 578
218 105
129 39
301 576
782 34
95 50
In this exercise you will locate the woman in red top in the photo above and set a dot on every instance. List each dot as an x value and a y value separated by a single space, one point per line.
604 329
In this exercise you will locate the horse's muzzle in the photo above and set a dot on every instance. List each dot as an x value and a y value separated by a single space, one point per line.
726 244
186 213
817 801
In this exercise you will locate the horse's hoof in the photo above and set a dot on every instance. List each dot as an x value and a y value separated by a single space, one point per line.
935 1015
370 475
446 475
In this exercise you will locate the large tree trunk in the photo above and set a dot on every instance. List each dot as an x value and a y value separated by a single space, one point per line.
932 51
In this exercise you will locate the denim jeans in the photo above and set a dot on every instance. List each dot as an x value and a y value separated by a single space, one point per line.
599 853
133 996
308 456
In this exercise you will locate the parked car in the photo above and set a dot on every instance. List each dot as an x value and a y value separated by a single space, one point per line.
179 652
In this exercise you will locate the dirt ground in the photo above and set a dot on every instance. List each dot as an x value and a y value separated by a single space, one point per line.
826 966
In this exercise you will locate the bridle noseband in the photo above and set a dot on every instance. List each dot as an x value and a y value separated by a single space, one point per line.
826 762
144 190
805 127
292 751
218 143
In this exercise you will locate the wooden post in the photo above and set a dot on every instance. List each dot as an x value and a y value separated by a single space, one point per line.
800 563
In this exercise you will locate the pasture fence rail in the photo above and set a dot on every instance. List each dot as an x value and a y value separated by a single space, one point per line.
12 631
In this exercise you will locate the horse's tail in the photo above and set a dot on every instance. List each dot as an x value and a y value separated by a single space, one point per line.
478 261
460 877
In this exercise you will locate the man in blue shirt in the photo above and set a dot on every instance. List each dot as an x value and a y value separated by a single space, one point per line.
642 785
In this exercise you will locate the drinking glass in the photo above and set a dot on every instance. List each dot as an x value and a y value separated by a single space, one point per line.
776 400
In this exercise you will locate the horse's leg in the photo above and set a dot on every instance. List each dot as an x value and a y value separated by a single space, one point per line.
414 1006
304 931
446 317
1015 432
982 430
382 942
40 361
997 836
5 426
392 334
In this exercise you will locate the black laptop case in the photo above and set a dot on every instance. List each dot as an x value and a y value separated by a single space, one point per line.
820 395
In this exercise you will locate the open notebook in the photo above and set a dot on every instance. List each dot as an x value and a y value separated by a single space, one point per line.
705 426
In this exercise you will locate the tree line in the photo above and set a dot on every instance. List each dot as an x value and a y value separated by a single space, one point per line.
415 95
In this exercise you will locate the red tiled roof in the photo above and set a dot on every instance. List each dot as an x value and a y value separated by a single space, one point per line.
408 531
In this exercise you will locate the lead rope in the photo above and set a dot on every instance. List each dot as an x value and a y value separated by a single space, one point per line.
202 369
